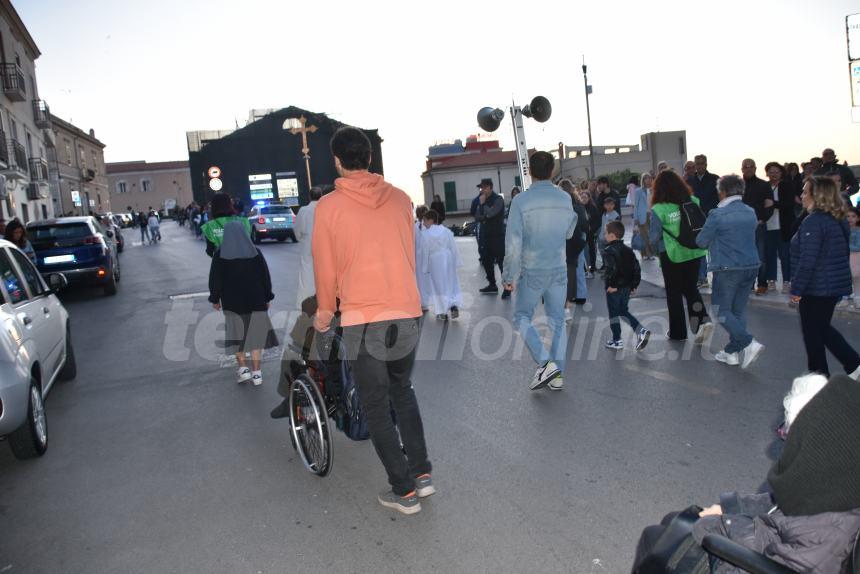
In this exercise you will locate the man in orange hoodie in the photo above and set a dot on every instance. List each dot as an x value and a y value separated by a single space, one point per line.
364 256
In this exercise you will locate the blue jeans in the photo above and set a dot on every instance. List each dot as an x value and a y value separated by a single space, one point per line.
776 247
731 291
761 247
703 269
577 288
552 287
616 303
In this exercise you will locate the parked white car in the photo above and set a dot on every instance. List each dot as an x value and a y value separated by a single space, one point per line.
35 350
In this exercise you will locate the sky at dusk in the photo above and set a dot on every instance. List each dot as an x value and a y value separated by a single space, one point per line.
763 79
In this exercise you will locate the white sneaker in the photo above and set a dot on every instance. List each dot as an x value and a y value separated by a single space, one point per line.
544 375
704 332
244 375
567 316
751 353
257 378
856 374
556 384
727 358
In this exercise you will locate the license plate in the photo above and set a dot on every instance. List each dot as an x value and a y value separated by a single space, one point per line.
279 219
53 259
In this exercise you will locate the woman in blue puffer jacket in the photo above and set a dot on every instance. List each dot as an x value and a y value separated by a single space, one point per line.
821 275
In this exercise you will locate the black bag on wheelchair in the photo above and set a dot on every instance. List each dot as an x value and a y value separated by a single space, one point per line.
676 551
351 419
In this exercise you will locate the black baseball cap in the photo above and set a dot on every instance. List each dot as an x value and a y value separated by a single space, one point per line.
485 181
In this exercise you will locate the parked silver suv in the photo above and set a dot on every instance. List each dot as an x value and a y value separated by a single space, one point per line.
35 350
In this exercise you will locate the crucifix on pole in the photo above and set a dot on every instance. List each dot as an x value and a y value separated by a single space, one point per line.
303 129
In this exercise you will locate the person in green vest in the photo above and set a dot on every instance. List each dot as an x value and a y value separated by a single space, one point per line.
679 264
221 213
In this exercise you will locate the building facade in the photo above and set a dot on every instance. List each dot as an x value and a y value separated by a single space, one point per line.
25 125
276 157
653 148
139 186
454 172
78 163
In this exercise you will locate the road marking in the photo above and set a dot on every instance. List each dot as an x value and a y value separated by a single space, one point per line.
667 378
189 295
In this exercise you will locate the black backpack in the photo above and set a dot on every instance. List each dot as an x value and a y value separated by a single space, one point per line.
692 221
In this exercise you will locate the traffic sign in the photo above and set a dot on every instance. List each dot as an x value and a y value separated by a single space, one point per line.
214 172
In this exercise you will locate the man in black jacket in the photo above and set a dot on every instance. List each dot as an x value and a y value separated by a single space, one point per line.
830 166
490 215
604 190
704 184
623 276
758 195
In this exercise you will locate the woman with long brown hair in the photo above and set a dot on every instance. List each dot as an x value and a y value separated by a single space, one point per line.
679 264
822 275
17 234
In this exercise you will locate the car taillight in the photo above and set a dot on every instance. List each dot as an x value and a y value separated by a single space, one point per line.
92 240
261 220
102 272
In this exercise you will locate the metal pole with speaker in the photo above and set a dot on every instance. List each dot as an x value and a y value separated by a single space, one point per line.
539 110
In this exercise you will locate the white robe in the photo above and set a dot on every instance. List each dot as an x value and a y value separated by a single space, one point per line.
303 227
439 264
421 278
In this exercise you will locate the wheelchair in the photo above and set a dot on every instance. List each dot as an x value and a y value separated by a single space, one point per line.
314 390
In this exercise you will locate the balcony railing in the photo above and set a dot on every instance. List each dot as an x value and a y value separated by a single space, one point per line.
13 82
38 169
42 114
4 150
17 166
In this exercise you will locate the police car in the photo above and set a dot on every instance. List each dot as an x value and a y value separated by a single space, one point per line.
272 221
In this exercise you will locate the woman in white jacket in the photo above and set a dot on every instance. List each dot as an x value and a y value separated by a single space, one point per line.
303 227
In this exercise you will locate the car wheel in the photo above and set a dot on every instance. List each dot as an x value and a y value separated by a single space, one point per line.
293 237
254 237
70 368
110 286
31 438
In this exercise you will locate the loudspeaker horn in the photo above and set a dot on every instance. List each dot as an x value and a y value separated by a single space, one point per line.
490 118
539 109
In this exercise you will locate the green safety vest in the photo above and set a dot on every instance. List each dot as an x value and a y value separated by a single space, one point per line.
670 217
214 230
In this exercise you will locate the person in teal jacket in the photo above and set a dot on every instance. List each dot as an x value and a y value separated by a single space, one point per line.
679 264
221 213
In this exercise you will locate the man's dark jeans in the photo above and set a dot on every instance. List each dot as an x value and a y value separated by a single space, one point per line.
493 253
381 356
616 303
761 247
820 336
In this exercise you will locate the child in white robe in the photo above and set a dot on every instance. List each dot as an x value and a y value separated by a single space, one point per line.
439 263
420 276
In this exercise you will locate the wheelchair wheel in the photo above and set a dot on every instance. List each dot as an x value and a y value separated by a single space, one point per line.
309 425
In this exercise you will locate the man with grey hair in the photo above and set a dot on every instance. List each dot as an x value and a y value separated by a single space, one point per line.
729 235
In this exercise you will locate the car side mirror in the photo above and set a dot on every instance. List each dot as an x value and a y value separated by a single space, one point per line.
57 282
110 234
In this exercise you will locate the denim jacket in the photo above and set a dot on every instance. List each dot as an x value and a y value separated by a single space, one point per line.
729 236
854 243
641 207
540 222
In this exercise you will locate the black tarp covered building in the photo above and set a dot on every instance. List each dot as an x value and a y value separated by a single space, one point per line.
264 161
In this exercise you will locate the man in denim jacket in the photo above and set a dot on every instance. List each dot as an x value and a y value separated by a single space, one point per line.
729 234
540 222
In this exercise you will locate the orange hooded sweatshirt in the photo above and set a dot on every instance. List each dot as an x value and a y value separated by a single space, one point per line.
364 253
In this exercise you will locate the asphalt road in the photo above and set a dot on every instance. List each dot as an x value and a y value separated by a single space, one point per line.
159 462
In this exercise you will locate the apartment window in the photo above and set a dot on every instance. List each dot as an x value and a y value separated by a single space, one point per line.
33 86
518 182
99 196
95 163
13 128
145 185
68 151
83 155
29 145
121 187
44 211
25 212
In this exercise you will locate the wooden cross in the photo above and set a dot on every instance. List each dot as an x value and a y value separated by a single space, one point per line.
305 149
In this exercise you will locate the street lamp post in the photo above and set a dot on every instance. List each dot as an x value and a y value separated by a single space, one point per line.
588 113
